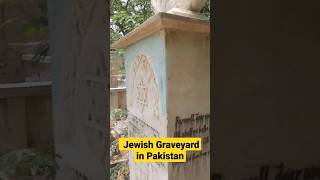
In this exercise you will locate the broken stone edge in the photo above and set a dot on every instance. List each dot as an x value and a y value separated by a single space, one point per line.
162 21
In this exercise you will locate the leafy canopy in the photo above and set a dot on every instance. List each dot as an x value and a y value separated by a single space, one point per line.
128 14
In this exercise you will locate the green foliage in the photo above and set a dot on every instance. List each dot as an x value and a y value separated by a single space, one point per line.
115 56
36 26
33 24
25 164
119 171
114 171
128 14
118 114
206 10
114 147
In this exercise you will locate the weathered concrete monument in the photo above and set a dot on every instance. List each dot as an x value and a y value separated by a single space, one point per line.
168 90
78 50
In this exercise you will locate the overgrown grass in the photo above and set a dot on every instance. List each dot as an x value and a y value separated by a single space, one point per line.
28 164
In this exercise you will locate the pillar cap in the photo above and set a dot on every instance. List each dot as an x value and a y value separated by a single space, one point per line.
162 21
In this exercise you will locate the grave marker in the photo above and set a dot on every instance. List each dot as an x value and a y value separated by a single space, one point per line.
168 90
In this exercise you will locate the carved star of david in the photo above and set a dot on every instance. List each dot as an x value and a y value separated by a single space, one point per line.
141 95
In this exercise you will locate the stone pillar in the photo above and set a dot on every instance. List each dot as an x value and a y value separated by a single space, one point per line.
168 90
78 50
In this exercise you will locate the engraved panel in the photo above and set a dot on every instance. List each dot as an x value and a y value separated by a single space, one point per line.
144 117
143 94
